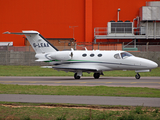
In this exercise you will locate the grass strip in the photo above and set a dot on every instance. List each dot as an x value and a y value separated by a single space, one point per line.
79 90
37 71
32 111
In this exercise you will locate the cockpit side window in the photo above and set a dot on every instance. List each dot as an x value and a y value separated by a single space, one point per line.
125 55
117 56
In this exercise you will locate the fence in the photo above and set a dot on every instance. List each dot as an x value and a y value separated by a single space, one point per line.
125 31
117 46
26 55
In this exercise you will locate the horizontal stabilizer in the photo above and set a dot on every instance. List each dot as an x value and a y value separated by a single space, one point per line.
22 33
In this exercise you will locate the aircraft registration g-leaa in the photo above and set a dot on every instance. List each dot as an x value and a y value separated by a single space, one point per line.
79 61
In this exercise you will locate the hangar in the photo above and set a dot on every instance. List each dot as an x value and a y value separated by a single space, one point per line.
83 21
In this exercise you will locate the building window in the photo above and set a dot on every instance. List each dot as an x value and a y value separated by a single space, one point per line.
84 55
92 55
99 55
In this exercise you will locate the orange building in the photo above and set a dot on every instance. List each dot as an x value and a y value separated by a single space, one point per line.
58 18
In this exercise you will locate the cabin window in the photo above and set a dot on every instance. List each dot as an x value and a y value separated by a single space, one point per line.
92 55
99 55
117 56
84 55
125 55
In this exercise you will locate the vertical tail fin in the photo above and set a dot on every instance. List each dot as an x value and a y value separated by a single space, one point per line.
37 41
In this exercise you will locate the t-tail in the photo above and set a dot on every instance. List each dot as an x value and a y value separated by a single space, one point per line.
37 41
40 44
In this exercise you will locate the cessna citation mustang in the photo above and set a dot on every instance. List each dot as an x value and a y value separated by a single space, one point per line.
85 61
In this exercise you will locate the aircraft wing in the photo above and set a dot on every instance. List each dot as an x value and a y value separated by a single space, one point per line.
83 68
75 69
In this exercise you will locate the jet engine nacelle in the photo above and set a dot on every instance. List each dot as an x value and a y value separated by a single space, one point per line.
61 55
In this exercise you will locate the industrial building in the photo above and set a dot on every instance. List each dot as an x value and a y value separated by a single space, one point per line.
119 22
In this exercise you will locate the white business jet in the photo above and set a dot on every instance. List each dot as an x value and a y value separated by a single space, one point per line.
95 61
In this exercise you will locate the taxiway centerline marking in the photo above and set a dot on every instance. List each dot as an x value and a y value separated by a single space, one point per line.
133 82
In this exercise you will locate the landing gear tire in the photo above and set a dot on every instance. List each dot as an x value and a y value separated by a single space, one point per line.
96 75
137 76
76 76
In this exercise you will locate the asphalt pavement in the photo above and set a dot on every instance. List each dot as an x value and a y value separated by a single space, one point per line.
151 82
89 100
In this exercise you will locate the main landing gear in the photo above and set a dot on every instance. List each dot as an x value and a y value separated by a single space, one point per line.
95 75
137 76
76 76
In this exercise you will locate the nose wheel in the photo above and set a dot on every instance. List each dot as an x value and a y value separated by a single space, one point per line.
137 76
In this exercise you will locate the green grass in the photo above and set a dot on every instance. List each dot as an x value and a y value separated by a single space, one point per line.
37 71
32 111
79 90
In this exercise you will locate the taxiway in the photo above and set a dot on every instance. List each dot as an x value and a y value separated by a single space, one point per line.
151 82
89 100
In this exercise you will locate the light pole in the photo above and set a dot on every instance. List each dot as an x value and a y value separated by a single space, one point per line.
118 13
73 29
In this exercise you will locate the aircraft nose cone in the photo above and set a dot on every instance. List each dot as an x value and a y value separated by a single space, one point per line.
152 64
148 63
155 64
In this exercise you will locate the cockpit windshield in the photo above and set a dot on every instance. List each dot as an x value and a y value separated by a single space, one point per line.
125 55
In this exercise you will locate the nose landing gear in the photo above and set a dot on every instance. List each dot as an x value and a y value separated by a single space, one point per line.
137 76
